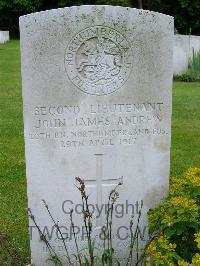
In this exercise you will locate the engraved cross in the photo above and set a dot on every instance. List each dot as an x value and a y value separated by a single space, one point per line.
99 183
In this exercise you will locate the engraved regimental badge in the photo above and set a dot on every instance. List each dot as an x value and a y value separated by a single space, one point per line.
98 60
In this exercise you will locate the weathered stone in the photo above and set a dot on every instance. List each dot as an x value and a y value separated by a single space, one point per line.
97 104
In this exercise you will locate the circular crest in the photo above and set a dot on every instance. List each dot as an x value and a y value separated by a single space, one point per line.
98 60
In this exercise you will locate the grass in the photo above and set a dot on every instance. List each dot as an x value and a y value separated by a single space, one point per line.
13 200
185 127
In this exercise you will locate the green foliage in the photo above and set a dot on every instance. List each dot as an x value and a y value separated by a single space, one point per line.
63 3
184 78
11 10
194 65
114 2
177 220
185 12
13 198
8 251
193 72
55 260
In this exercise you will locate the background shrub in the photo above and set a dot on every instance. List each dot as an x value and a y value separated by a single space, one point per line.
176 223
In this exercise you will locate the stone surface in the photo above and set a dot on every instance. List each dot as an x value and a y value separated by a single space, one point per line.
4 36
97 104
183 50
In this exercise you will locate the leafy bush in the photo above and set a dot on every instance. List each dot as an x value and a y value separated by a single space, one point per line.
184 77
176 224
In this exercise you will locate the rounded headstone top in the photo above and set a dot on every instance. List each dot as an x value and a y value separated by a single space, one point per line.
98 42
92 7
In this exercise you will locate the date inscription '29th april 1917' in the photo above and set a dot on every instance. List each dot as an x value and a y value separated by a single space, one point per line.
96 125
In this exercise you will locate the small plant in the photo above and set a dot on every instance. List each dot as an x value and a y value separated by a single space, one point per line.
89 257
53 255
87 218
108 252
184 78
193 72
194 65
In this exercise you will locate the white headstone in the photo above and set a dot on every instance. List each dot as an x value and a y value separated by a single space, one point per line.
97 104
4 36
